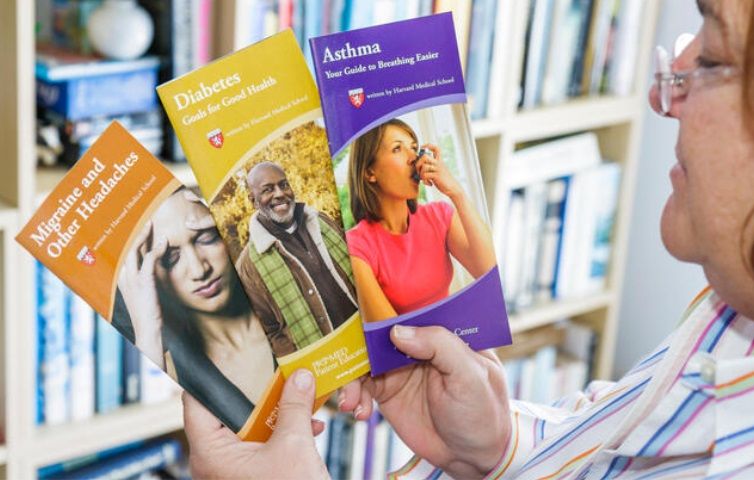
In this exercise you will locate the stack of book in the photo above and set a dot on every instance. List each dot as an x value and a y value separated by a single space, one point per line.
475 25
550 362
84 366
559 223
79 95
157 459
579 47
359 450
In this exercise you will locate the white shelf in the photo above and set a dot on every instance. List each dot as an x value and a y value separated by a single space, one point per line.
49 177
576 115
8 216
127 424
3 455
486 128
546 314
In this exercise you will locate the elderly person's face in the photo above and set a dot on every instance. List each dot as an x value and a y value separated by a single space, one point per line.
706 219
195 267
272 195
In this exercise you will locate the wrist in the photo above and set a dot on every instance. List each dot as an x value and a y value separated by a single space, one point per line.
457 196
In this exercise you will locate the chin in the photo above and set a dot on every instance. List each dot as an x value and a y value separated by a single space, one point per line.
676 234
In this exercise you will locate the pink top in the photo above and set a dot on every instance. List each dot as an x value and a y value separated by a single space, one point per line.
413 268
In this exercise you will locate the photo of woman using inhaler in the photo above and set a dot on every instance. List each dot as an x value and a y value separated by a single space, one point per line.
401 250
181 303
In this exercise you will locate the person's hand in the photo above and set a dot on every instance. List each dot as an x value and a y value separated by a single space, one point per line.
136 283
433 172
451 409
216 452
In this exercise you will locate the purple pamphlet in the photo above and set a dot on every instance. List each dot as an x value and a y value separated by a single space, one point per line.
409 183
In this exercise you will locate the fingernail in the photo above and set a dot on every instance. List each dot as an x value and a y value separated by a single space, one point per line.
357 411
341 399
404 332
303 380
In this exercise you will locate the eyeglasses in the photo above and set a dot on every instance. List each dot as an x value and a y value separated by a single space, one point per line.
671 84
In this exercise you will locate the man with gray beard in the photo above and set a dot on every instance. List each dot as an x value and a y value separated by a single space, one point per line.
295 267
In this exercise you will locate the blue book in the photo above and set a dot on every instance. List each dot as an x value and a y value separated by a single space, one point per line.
63 469
131 373
132 463
559 250
81 338
313 21
362 14
299 23
109 367
81 87
53 374
483 16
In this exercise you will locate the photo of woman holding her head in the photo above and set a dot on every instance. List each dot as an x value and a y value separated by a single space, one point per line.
180 297
401 250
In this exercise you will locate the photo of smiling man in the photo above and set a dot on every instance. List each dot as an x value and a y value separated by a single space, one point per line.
294 266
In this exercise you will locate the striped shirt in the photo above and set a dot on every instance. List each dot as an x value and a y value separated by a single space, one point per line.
684 411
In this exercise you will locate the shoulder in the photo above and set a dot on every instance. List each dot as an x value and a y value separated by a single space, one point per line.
362 232
245 264
361 241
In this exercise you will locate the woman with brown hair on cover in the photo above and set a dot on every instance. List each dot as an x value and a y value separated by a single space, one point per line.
180 301
401 250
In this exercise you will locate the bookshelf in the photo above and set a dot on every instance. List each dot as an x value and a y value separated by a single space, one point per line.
617 121
124 425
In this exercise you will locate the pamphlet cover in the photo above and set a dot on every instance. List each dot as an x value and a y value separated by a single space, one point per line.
251 127
143 250
409 182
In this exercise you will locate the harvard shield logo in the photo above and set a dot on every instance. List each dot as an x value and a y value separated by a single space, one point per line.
356 97
216 138
86 256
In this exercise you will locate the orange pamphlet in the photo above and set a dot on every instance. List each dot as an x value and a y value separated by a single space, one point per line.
143 250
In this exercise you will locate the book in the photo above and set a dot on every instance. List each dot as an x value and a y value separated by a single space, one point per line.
536 56
79 86
99 231
108 367
63 468
131 463
589 215
397 83
175 43
251 127
82 361
481 44
552 159
131 373
552 227
53 370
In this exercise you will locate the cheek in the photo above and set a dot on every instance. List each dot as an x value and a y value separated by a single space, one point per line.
718 152
171 281
217 256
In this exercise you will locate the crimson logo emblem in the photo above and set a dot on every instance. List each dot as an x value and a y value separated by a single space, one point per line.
356 96
86 256
216 138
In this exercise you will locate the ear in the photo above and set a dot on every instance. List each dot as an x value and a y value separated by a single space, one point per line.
370 176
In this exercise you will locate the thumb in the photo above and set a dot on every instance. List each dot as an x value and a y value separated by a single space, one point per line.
296 404
445 351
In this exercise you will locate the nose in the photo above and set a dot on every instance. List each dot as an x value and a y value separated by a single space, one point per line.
686 49
279 192
198 267
654 100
